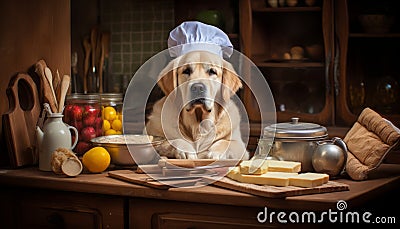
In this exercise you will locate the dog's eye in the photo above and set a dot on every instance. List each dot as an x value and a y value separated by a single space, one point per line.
187 71
212 72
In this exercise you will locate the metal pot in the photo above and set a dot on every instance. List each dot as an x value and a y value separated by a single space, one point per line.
294 141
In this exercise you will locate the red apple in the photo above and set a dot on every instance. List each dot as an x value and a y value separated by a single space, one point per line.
89 121
90 111
99 124
77 124
88 133
82 147
76 113
68 113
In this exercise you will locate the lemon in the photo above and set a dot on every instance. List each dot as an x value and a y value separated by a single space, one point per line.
116 125
110 113
96 160
118 132
106 125
119 116
110 132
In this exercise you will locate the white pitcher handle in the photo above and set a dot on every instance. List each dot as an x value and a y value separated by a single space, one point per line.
76 136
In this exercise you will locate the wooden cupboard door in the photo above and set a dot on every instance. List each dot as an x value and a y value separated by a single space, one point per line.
301 86
165 214
184 221
366 66
44 209
46 216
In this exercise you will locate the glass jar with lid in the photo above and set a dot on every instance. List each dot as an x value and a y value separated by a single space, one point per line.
83 111
111 113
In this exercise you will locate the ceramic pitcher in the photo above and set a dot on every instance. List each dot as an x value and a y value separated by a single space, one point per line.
55 134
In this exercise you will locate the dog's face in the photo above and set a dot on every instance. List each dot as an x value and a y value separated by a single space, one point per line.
200 78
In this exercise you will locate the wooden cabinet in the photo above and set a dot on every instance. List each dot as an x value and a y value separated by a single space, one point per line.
165 214
357 67
35 208
272 37
367 48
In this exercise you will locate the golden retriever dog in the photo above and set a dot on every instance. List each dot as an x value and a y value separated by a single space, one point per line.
197 115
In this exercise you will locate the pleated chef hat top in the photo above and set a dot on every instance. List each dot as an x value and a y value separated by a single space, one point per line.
196 36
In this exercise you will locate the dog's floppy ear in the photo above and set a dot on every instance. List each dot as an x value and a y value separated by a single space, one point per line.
230 80
167 78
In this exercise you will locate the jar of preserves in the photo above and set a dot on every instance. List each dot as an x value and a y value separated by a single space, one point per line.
83 111
111 113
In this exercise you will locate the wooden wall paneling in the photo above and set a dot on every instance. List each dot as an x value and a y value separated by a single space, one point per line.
32 30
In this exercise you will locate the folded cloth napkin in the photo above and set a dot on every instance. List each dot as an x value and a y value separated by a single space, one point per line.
369 140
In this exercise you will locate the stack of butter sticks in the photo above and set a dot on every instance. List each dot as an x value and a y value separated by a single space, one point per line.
276 173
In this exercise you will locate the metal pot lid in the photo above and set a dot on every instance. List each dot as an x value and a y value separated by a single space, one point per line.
296 130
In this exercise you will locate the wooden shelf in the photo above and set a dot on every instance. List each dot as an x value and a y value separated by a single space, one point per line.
304 64
375 35
288 9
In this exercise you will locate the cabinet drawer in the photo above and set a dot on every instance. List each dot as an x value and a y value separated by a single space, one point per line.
47 209
166 214
47 216
178 221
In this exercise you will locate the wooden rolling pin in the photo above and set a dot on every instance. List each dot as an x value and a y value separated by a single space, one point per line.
186 163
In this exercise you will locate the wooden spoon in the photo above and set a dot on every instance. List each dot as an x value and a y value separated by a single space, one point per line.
93 71
56 84
47 95
65 81
49 78
87 47
101 62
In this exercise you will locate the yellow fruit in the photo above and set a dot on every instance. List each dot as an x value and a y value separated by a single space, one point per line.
106 125
119 132
110 113
110 132
96 160
116 125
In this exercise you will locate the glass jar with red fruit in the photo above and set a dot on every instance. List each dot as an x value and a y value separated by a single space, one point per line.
111 113
83 111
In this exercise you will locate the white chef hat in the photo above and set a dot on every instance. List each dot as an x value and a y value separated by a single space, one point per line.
195 36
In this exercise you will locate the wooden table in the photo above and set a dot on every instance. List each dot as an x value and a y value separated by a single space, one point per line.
91 186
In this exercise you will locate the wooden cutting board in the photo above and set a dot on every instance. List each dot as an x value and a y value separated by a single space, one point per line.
275 191
143 179
20 120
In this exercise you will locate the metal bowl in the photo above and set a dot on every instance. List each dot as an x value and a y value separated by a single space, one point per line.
295 141
129 149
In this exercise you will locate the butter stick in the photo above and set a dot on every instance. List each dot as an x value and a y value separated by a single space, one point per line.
269 178
258 166
284 166
309 180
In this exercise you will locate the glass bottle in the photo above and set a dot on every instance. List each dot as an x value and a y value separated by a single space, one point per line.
83 111
111 113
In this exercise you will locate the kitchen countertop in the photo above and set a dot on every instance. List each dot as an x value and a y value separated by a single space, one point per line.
386 178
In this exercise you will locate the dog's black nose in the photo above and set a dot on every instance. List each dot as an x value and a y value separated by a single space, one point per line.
198 89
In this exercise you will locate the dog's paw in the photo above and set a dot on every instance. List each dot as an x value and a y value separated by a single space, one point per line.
178 148
211 155
185 155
